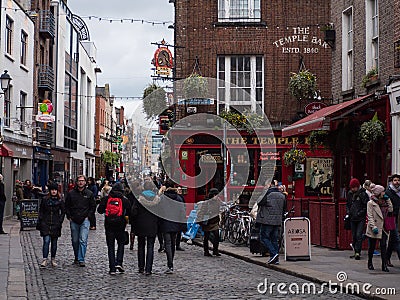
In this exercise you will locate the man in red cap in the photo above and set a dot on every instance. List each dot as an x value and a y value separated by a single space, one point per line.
356 210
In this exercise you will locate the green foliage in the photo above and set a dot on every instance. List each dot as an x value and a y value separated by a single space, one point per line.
318 138
110 157
154 101
246 120
195 86
367 77
370 132
303 85
294 156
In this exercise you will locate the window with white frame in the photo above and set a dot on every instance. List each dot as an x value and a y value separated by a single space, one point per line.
22 115
239 10
9 34
347 53
240 81
7 107
372 34
24 47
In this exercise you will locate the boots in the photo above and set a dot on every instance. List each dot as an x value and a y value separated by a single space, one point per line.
384 266
370 265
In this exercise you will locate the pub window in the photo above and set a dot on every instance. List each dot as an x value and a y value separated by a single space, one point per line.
239 10
347 49
372 34
241 81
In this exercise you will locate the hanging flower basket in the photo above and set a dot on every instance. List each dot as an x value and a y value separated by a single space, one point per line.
318 138
294 156
370 132
303 85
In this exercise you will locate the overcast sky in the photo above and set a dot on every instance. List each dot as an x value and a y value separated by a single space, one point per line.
124 50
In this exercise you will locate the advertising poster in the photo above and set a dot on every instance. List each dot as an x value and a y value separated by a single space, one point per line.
319 174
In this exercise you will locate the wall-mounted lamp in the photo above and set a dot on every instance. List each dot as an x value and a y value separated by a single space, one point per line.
5 80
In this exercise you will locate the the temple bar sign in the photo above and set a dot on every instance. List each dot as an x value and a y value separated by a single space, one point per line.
262 140
290 43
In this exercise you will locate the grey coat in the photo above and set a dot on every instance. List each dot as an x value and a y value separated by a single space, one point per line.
271 207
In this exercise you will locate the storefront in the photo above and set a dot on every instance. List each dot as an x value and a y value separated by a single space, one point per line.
350 159
43 159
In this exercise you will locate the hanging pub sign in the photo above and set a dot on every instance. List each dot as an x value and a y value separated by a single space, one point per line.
44 112
163 61
312 107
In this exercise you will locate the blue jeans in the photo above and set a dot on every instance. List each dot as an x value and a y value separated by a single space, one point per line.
269 237
357 234
111 236
169 243
79 236
145 262
46 246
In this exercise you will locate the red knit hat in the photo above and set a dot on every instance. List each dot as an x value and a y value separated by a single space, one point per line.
354 183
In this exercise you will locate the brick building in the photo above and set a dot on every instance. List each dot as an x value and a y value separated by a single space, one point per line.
266 41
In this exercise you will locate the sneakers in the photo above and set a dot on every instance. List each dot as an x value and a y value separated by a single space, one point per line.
44 263
277 262
82 264
357 256
148 273
112 272
273 259
376 253
76 262
207 254
169 271
119 269
53 263
161 249
216 254
141 271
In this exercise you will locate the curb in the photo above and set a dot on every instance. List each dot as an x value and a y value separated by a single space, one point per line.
286 271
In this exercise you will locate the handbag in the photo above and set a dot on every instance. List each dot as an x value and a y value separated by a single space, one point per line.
389 223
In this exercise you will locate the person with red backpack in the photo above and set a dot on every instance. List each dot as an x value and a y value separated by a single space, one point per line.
116 208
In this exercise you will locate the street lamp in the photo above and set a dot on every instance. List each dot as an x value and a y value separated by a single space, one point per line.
5 79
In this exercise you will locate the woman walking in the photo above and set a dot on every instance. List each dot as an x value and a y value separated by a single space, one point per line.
377 209
145 226
51 217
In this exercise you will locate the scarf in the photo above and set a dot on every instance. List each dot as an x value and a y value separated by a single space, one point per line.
394 189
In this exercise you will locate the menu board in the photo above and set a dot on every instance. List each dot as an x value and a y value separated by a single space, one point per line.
29 212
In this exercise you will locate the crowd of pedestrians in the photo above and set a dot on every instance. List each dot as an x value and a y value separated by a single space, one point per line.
373 211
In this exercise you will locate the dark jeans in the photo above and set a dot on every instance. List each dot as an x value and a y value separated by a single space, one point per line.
394 243
2 205
146 259
372 245
111 236
178 239
269 237
46 246
169 243
214 240
160 240
357 234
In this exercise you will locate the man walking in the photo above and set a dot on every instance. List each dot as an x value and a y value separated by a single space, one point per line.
356 209
80 206
271 208
393 192
2 204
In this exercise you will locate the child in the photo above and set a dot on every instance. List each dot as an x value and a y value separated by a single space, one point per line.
51 217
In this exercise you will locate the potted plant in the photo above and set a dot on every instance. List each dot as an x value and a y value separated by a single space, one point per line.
294 156
370 76
303 85
370 132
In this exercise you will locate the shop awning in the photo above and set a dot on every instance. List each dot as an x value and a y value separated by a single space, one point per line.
5 151
320 120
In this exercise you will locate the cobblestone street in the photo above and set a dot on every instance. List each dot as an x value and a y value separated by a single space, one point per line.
195 277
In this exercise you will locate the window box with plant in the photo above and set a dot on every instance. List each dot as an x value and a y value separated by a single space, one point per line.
294 156
371 76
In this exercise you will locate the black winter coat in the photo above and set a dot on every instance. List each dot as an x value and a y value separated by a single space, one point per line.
51 216
356 206
80 205
144 221
126 208
171 212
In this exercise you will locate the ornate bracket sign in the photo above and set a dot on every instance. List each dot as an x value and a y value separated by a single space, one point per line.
83 29
44 112
163 60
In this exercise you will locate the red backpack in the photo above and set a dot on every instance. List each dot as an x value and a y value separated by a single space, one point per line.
114 211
